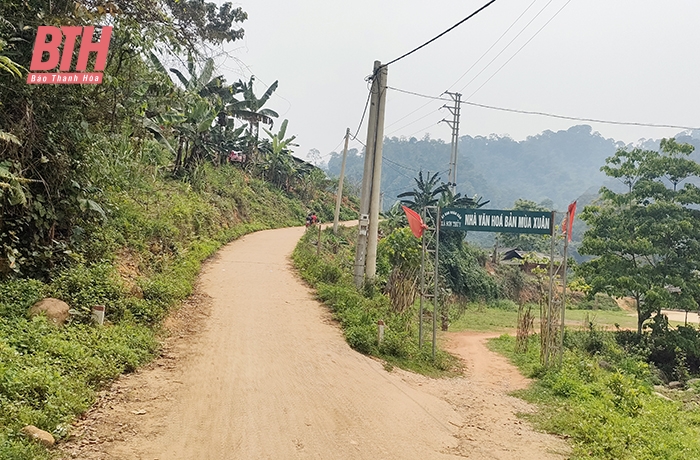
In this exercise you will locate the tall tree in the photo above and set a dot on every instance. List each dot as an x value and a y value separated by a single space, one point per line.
647 240
251 109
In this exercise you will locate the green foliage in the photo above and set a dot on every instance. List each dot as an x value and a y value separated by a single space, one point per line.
600 301
461 268
400 249
601 397
646 239
358 312
675 352
49 374
138 262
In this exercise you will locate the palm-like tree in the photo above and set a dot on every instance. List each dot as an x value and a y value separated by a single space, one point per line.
458 201
251 109
278 163
426 193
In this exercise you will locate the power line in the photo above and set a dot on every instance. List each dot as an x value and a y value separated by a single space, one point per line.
400 165
510 43
473 65
364 112
356 139
413 122
408 114
421 130
550 115
520 49
443 33
470 68
494 44
399 171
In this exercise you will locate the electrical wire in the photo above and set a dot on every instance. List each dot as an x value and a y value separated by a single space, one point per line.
441 34
473 65
357 140
519 50
494 44
550 115
399 164
421 130
364 112
411 123
399 171
510 43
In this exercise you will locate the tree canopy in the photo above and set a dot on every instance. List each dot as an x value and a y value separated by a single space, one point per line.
647 240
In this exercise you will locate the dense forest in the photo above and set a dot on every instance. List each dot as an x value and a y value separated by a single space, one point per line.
550 168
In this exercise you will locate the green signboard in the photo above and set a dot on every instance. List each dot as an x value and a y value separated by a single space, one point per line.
492 220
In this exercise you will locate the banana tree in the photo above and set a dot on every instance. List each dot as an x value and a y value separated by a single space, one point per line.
427 192
250 109
278 164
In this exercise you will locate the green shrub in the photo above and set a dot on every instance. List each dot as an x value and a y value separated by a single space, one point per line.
358 311
600 301
16 296
604 402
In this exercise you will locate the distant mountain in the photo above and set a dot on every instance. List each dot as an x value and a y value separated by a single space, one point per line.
551 168
556 166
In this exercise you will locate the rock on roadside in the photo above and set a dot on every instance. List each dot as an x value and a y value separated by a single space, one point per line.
40 436
57 311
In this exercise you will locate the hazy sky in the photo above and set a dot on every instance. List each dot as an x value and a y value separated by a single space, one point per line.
624 60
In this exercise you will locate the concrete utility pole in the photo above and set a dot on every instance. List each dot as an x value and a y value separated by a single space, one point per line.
375 202
366 248
339 198
454 124
366 192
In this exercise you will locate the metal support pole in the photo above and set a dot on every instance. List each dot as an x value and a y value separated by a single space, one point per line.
339 198
436 278
546 327
563 295
422 285
454 124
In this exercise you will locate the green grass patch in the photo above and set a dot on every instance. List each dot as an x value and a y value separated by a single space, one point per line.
493 316
358 312
603 399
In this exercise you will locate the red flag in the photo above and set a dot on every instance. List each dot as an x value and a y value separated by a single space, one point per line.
414 221
571 214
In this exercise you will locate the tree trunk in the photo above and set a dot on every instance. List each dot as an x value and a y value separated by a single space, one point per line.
640 320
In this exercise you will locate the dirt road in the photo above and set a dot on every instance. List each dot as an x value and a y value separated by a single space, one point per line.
255 369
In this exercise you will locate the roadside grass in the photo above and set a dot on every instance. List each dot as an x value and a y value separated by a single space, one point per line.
601 318
604 401
140 262
502 316
358 312
492 316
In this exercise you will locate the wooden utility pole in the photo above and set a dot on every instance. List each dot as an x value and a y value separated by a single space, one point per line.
375 201
339 198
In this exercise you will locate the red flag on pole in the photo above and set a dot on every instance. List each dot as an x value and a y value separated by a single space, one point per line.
414 221
570 224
